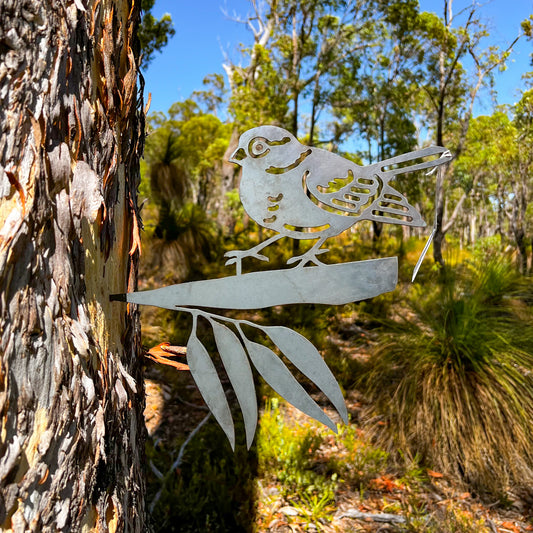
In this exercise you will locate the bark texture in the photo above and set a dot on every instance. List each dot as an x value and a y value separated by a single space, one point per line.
71 390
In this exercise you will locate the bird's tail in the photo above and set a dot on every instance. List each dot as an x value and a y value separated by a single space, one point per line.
427 158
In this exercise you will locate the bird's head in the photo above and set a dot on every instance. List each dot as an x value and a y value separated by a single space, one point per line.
269 148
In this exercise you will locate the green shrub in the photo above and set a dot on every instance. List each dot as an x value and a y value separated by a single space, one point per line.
357 462
453 379
287 454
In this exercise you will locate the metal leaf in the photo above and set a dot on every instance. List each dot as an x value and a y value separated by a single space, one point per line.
240 375
279 377
306 358
205 375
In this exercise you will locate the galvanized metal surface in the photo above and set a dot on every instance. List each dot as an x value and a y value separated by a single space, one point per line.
326 284
303 193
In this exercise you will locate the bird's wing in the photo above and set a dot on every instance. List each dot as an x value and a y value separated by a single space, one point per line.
340 184
392 207
365 192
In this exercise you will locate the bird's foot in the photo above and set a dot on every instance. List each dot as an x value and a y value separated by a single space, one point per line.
236 257
308 257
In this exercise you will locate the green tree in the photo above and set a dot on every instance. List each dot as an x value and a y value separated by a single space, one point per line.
298 47
153 33
201 140
183 168
376 87
375 91
451 92
485 170
520 214
258 94
310 40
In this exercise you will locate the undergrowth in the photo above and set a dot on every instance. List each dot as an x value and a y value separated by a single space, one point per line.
305 472
452 378
450 367
288 454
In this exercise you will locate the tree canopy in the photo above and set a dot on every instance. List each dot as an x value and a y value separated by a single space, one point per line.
371 79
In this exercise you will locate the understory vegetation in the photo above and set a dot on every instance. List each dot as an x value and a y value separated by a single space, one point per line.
437 374
437 377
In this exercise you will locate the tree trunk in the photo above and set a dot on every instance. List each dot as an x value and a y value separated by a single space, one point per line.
473 227
377 230
438 241
520 239
71 389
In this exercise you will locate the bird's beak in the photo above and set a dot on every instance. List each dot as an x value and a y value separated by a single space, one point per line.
237 156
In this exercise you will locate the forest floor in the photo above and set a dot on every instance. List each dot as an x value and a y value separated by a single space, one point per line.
309 479
389 502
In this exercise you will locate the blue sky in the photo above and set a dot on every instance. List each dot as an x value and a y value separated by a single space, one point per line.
204 33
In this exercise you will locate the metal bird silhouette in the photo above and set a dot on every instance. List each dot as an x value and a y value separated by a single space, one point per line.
305 192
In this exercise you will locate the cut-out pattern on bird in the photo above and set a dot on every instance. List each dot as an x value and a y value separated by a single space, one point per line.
298 192
310 193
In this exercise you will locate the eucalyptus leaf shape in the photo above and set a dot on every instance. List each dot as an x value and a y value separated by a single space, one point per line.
206 377
306 358
279 377
240 375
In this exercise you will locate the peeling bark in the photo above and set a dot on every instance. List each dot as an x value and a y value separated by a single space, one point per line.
71 390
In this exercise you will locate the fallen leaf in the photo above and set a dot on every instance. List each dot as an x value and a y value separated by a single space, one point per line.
387 484
431 473
510 526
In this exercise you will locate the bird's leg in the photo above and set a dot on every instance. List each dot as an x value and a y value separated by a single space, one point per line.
236 256
310 255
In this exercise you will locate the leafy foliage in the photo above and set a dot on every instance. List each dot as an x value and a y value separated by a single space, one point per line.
153 34
262 102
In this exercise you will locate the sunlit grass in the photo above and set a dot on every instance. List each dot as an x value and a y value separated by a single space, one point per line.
287 454
304 469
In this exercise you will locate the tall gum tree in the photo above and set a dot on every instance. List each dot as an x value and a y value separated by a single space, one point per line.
450 93
71 390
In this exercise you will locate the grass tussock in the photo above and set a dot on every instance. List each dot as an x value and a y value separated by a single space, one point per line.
453 378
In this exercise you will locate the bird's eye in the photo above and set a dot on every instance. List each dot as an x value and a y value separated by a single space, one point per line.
258 147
